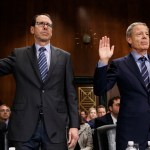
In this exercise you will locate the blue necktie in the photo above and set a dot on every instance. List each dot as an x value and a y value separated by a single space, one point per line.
42 62
144 72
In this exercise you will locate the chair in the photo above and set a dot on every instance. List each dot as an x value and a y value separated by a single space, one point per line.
106 136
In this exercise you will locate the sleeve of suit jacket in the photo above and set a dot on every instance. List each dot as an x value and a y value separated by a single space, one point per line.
104 78
71 96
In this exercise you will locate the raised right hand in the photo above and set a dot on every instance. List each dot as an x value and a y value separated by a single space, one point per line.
105 51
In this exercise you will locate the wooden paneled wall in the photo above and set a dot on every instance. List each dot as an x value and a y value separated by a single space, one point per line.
72 20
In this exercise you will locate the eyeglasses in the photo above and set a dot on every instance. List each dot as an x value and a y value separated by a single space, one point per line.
42 24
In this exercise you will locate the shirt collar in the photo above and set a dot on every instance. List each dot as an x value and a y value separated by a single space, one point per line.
46 46
114 119
136 56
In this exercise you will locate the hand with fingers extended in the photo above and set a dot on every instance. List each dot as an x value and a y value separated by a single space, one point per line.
105 51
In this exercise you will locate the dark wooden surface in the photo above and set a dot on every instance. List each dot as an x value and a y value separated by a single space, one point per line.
72 20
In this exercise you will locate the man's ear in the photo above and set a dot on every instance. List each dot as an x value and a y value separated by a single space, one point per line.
32 30
110 108
129 40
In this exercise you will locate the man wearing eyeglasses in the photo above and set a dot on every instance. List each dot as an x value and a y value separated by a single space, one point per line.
45 99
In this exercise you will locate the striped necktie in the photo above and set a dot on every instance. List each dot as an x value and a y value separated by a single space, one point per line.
42 62
144 72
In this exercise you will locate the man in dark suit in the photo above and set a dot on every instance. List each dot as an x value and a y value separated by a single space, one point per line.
111 117
133 122
108 118
4 119
42 105
2 134
4 113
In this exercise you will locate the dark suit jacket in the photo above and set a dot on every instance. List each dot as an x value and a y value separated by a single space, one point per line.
104 120
133 122
100 121
2 134
57 94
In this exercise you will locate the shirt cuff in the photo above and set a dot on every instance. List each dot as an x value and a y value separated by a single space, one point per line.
101 64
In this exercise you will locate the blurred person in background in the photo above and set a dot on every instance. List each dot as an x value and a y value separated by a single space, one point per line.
83 114
92 114
85 141
5 113
111 117
101 110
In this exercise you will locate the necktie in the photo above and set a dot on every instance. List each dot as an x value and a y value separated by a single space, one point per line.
144 72
42 62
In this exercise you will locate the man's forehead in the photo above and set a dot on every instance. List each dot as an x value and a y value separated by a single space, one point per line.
4 107
140 27
43 18
117 100
101 108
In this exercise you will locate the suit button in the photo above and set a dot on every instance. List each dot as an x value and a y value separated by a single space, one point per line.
43 91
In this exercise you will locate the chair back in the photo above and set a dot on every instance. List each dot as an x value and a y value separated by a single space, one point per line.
106 136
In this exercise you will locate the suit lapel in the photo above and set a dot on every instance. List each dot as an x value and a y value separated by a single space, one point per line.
53 60
109 119
130 62
31 52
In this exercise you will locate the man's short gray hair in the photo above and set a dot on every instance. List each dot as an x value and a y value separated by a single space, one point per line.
130 28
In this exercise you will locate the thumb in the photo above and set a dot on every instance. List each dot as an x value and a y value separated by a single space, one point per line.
112 49
69 138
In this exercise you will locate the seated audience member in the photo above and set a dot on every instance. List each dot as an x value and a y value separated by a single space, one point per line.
4 117
85 141
4 113
101 110
92 114
111 117
2 135
108 118
83 114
